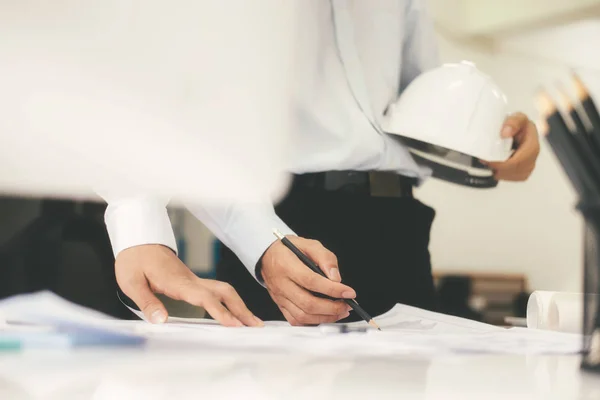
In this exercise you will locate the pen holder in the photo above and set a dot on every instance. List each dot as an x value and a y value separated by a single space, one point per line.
591 285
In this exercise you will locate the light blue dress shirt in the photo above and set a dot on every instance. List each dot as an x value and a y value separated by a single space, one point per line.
356 57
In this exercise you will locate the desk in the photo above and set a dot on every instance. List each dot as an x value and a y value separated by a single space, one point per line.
174 372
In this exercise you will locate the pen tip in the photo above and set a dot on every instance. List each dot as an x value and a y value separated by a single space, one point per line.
543 127
374 325
582 92
565 98
545 105
277 233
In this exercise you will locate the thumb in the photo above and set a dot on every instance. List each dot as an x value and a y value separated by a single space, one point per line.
325 259
154 311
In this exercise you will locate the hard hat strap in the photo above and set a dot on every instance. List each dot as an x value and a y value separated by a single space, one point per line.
456 175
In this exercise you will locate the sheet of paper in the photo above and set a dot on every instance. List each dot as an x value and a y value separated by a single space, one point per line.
46 305
44 319
403 317
399 317
405 329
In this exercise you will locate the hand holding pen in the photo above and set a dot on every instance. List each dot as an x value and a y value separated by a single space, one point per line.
306 260
296 289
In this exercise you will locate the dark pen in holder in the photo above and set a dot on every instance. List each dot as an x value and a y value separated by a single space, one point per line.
576 144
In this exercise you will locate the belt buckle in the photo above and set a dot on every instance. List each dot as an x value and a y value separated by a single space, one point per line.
372 183
388 184
347 181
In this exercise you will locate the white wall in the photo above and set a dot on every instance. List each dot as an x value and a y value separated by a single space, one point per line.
526 227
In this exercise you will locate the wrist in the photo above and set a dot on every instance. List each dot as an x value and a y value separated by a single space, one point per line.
258 270
144 248
259 264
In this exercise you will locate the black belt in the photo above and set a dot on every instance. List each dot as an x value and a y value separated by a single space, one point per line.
372 183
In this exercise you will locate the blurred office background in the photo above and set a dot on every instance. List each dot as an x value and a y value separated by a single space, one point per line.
488 247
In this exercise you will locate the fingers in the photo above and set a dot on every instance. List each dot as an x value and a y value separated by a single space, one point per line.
528 144
324 258
521 164
309 303
289 266
152 308
289 317
210 295
292 284
316 283
143 269
235 304
194 293
513 124
301 317
221 314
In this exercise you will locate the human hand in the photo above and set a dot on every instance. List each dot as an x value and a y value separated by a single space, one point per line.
142 270
290 283
522 162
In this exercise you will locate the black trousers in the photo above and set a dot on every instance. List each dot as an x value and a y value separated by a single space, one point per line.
381 245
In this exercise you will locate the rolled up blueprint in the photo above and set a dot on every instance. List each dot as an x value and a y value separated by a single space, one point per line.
556 311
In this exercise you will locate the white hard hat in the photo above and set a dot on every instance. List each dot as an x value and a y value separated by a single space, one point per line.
450 118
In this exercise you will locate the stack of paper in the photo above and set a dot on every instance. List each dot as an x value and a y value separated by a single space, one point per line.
46 320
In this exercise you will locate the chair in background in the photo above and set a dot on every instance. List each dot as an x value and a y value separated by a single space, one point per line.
454 295
495 295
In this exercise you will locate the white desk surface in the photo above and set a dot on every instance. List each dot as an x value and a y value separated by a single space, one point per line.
178 372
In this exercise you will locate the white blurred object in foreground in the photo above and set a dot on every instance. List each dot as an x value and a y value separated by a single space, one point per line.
186 99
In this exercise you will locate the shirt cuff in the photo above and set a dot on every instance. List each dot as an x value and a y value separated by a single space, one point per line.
135 222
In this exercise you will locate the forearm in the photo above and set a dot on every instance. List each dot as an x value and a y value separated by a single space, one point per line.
246 228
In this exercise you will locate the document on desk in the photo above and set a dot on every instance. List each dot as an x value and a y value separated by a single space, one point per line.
45 320
405 330
400 317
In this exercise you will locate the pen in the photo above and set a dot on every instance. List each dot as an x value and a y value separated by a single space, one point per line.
590 109
311 264
561 140
582 139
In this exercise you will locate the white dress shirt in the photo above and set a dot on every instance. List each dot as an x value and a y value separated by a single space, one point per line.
356 58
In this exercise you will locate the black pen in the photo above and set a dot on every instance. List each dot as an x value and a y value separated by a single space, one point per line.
588 105
562 142
311 264
580 136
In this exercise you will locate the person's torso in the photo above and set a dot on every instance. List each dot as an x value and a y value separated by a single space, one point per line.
332 130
